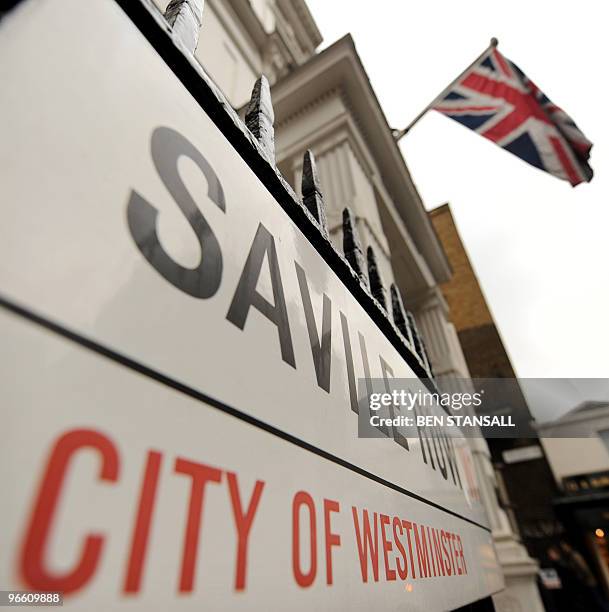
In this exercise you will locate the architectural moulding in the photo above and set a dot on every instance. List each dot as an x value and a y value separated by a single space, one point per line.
339 65
328 133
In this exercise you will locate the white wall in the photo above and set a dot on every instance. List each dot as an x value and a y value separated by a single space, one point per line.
228 57
571 456
225 51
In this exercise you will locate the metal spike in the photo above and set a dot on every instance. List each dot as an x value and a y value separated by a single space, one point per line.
185 18
417 341
376 282
414 331
399 315
260 116
426 358
352 246
312 197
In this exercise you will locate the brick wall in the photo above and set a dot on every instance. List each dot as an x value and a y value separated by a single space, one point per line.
468 307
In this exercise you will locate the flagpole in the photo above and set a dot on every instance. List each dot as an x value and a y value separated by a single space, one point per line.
397 134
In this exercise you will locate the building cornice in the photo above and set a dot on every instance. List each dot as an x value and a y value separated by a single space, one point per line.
588 416
342 127
339 66
302 22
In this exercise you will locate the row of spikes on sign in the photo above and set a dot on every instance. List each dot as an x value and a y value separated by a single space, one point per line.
259 119
185 18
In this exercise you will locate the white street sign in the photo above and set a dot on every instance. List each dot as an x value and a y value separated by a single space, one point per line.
133 229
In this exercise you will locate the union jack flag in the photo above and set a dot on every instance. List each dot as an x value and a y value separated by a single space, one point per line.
498 101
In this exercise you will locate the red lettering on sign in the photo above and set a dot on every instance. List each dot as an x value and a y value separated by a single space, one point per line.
141 531
243 523
461 555
33 565
201 475
421 546
302 498
387 548
439 552
451 537
444 536
402 569
364 544
408 527
332 539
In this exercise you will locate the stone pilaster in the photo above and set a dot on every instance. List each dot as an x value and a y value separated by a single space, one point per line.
520 570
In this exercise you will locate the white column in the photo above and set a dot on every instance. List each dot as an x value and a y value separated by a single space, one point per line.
520 571
440 337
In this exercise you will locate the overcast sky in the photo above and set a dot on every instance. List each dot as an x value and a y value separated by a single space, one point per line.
540 248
